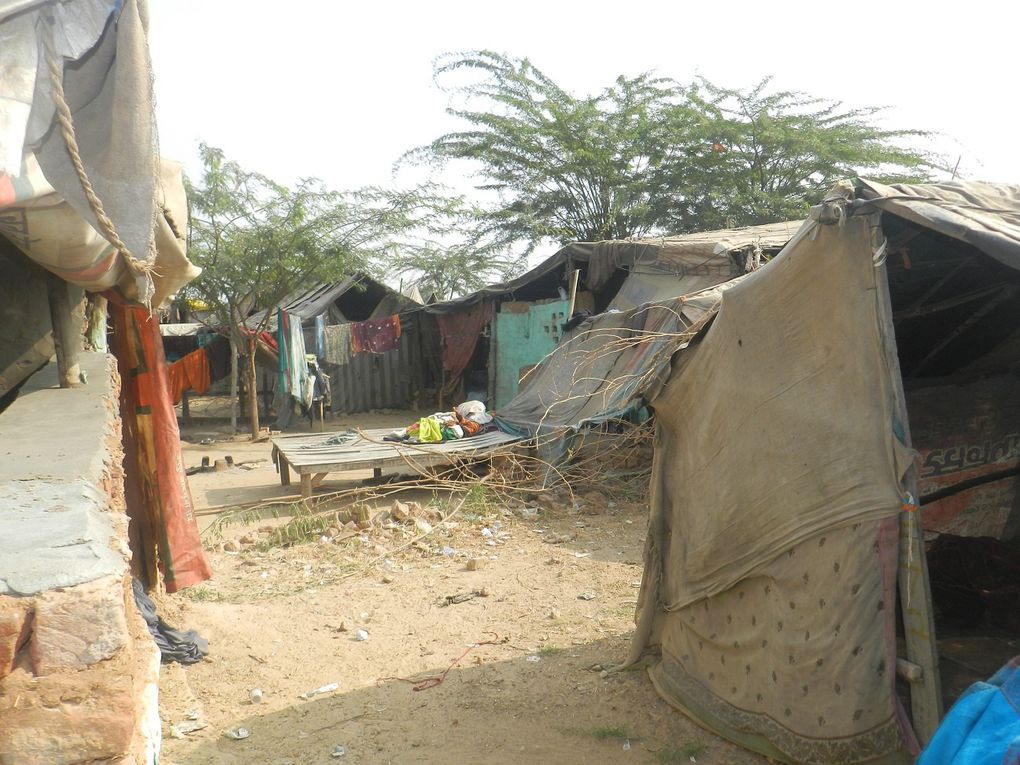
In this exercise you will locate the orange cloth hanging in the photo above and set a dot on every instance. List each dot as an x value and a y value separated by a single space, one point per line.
191 372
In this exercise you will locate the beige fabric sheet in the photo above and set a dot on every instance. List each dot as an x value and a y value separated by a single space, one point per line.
782 415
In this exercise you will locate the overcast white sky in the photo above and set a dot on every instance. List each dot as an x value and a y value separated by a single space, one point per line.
339 90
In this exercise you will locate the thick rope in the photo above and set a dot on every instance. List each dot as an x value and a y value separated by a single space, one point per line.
137 267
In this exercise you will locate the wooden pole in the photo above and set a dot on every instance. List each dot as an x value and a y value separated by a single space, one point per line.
573 292
66 336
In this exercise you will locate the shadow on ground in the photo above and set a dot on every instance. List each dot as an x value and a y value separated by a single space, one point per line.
505 709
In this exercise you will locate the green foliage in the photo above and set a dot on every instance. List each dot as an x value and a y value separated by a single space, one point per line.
649 156
606 732
680 755
563 167
745 157
258 241
479 502
453 255
200 594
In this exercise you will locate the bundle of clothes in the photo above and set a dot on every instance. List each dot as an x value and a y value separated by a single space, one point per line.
466 420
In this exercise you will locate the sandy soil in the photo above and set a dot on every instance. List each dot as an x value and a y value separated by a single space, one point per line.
559 592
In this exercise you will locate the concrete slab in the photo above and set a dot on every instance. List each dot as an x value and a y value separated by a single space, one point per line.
56 529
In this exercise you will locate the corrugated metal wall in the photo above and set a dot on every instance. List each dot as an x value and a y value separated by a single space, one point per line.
397 379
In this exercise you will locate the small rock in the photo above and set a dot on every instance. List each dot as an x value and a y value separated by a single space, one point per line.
554 614
342 627
248 539
361 635
332 532
474 564
587 596
604 674
484 592
351 526
364 525
400 511
232 545
422 526
387 579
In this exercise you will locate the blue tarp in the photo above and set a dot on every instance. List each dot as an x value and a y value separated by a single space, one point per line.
983 727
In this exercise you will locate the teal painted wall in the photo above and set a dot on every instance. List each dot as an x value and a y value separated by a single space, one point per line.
522 338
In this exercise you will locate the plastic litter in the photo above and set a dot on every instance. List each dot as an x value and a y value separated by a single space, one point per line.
320 690
338 751
255 695
361 635
587 596
533 658
237 734
626 745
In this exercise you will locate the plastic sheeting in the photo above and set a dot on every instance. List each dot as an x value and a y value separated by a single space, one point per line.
983 727
43 208
603 370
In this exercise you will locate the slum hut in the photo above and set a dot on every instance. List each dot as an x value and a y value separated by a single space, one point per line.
835 493
492 338
312 317
92 485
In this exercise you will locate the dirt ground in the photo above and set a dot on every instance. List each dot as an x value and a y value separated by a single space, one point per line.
550 602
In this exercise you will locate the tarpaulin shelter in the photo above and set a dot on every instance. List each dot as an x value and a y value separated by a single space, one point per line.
324 314
520 322
84 195
785 600
600 370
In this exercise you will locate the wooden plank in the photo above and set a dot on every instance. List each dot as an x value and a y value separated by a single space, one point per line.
306 485
317 479
306 454
914 587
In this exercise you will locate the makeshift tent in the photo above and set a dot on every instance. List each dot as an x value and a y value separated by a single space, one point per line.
599 371
502 331
84 196
92 60
784 550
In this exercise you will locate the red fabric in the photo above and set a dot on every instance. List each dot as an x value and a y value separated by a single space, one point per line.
192 372
376 335
460 332
156 486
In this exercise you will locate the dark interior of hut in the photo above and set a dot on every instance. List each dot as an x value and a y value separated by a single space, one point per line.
956 314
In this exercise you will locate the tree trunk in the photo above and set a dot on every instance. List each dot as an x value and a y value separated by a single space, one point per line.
253 389
233 381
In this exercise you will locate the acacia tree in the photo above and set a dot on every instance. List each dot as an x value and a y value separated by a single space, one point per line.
745 157
562 167
647 155
452 254
258 241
